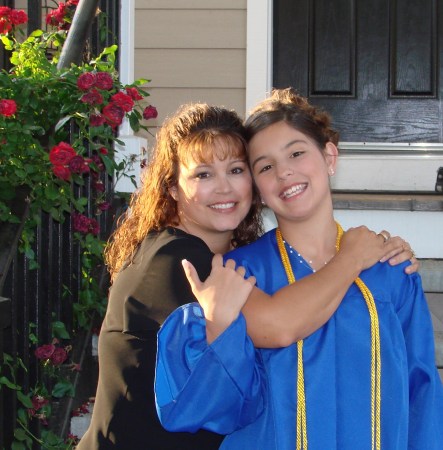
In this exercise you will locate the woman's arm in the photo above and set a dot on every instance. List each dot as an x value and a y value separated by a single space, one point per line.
297 310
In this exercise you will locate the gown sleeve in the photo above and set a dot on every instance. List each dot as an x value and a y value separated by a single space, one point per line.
217 387
425 386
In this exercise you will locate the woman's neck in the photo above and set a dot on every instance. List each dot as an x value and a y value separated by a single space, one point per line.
217 241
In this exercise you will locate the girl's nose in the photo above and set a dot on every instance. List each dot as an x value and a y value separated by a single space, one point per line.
284 172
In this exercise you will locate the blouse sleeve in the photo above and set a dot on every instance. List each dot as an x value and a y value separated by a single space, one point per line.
197 385
425 386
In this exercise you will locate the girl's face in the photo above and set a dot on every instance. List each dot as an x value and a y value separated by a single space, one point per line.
213 197
291 172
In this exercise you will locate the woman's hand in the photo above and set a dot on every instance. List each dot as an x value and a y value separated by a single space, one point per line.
222 295
369 247
402 252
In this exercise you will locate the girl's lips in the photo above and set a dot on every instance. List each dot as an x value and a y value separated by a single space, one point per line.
294 190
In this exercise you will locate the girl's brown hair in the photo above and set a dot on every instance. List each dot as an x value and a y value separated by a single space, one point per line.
288 106
195 131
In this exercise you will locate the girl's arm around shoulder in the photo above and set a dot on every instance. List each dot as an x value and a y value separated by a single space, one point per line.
189 370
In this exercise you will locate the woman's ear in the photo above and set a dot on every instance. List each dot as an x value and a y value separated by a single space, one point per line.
331 155
173 192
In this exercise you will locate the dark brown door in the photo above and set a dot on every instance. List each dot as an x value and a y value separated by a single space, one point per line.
375 65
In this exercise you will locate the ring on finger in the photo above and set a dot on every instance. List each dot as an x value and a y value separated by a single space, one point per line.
384 235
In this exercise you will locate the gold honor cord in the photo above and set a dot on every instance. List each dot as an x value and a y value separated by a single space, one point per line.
302 439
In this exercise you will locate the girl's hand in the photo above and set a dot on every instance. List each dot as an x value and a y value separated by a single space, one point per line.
222 295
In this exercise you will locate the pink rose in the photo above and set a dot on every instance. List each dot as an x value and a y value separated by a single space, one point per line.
93 97
133 93
104 206
44 351
61 154
86 81
150 112
94 227
61 172
104 80
113 115
124 101
7 107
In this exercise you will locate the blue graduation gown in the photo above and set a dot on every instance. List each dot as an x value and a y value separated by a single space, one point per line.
250 394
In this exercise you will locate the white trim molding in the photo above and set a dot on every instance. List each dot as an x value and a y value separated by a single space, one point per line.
258 51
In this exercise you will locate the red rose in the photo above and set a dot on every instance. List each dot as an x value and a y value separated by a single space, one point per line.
133 93
72 2
86 81
113 115
61 154
18 17
104 80
7 107
80 223
93 97
150 112
103 151
96 120
98 162
45 351
38 401
104 206
94 227
123 100
5 26
78 165
59 356
61 172
98 186
5 11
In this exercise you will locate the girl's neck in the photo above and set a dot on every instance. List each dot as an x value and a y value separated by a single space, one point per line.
314 240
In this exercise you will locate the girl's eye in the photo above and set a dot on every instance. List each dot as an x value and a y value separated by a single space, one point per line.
295 154
265 168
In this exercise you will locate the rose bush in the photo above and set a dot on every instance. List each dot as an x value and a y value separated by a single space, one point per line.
57 134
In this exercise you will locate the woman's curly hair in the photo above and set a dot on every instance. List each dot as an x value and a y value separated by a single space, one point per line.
195 132
288 106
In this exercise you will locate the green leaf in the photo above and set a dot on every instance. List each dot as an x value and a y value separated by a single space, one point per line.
18 446
59 330
62 122
24 399
20 434
9 384
63 388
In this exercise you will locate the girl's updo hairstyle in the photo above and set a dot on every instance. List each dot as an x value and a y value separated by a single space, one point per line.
288 106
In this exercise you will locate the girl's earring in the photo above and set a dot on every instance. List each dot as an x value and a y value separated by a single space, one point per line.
331 172
263 202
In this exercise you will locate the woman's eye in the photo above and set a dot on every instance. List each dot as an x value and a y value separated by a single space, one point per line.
202 175
295 154
237 170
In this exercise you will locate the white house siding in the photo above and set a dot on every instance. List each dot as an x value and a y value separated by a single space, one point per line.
192 51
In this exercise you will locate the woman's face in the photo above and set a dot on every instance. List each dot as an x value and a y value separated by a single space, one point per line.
213 197
291 172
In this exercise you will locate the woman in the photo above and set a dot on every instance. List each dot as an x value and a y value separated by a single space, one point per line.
366 379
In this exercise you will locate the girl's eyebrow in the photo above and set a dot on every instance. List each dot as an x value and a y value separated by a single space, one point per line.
285 147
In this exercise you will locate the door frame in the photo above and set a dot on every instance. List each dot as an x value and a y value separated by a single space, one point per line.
421 161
